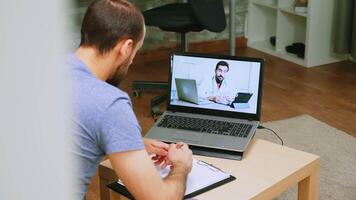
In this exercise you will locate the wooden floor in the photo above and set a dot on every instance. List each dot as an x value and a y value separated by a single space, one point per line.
327 93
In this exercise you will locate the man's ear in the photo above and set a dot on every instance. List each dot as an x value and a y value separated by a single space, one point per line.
125 47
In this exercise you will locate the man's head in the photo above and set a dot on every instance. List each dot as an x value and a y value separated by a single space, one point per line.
115 29
220 70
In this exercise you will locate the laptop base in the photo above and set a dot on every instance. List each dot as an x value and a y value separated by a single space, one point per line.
217 153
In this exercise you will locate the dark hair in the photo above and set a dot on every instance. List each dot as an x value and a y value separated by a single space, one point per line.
222 63
106 22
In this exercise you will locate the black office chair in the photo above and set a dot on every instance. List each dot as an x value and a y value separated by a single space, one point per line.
194 16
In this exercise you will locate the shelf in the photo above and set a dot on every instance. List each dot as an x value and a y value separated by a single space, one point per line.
291 57
278 18
265 4
264 45
290 10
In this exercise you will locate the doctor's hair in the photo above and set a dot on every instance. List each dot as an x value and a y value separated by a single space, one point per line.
222 63
107 22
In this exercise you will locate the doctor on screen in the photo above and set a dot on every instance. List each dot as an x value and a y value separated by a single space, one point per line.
217 88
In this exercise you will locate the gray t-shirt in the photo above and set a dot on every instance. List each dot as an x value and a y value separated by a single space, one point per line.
103 122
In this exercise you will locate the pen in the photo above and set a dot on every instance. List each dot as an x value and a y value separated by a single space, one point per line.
200 162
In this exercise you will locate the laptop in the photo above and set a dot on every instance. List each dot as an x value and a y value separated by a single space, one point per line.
213 129
187 91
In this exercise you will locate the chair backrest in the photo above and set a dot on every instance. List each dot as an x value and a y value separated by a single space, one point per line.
210 14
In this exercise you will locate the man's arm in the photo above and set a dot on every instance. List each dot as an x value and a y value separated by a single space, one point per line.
137 172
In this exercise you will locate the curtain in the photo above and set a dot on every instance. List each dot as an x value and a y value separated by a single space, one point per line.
345 40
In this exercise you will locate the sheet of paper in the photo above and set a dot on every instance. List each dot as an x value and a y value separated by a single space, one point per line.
201 176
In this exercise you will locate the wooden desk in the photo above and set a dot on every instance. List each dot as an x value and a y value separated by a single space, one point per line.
266 171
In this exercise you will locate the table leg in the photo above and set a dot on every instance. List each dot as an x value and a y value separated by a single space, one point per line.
104 190
106 176
308 187
232 28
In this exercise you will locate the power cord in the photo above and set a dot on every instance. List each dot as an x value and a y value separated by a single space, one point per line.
262 127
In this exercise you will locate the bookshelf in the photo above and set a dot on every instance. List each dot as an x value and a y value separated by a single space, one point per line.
267 18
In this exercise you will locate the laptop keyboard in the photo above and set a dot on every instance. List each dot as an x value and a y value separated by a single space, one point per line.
205 125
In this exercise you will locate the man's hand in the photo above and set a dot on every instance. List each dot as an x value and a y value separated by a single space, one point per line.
211 98
159 150
155 147
180 156
221 99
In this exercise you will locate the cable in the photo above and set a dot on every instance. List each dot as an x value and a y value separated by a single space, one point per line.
262 127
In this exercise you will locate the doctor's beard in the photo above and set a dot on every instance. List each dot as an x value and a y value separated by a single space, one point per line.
219 79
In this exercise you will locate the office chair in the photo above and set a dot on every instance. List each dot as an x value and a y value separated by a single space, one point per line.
193 16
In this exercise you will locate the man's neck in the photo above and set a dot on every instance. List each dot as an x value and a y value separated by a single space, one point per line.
100 66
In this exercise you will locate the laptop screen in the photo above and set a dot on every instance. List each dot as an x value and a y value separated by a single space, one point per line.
220 83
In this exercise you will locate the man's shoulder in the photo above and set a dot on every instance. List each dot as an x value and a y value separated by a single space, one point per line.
103 94
89 90
110 94
95 103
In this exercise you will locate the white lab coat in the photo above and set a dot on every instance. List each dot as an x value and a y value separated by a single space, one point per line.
209 87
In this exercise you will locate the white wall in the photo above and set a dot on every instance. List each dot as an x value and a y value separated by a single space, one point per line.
34 163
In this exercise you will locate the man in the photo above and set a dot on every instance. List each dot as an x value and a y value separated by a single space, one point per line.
103 120
216 88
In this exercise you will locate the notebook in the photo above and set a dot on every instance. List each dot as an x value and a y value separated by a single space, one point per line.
214 129
203 177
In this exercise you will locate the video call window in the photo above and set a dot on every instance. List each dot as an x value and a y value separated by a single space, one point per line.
228 85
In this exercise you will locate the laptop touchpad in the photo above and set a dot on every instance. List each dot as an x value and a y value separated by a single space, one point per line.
187 136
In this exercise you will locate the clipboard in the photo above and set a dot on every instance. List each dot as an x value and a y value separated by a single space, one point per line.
213 177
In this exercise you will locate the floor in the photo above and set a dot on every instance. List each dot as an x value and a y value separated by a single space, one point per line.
326 92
